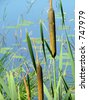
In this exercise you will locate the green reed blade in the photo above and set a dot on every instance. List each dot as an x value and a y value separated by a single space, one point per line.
19 97
61 57
54 74
60 66
63 27
42 39
73 96
68 96
69 47
12 86
30 50
47 92
6 89
71 56
61 74
1 97
62 13
52 90
48 47
65 84
60 92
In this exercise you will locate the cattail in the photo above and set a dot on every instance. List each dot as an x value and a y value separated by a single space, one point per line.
52 30
40 82
27 89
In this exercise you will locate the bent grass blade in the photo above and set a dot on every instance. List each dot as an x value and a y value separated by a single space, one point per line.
31 50
42 39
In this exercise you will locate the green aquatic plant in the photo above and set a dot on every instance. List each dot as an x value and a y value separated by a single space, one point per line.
9 89
42 39
31 51
70 54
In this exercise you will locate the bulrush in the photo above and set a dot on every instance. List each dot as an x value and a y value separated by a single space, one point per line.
40 82
52 30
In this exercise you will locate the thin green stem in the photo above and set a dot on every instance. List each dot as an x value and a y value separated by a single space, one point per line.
54 71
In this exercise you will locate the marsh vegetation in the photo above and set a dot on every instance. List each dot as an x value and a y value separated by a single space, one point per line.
38 68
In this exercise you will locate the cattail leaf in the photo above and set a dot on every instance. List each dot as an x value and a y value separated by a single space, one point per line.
31 50
42 39
71 56
52 90
12 86
60 92
5 87
47 93
19 97
73 96
65 84
61 57
64 28
62 13
48 47
60 69
1 97
59 83
68 96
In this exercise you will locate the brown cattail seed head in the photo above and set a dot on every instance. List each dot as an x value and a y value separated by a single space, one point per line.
40 82
52 31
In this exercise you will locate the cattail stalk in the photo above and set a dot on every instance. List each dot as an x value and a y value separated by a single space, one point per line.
40 82
27 89
52 30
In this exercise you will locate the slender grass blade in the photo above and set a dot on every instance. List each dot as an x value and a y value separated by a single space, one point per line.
1 97
5 87
31 50
48 48
12 86
42 39
62 13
